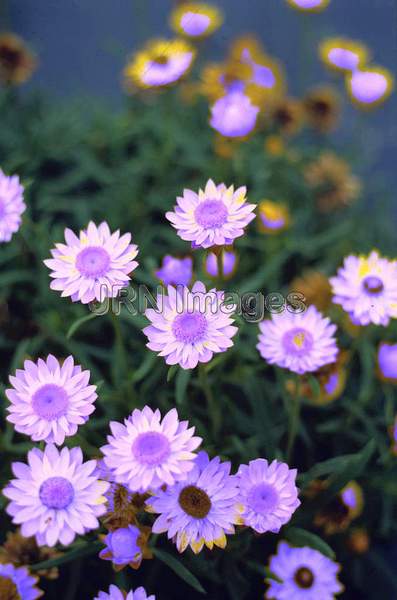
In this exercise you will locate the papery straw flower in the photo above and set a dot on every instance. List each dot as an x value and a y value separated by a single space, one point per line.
342 54
17 63
228 261
306 574
122 547
116 593
322 108
11 206
286 114
196 19
18 584
387 362
161 62
309 5
24 551
48 401
147 452
337 515
315 287
55 496
268 494
273 217
332 182
175 271
191 327
213 217
234 115
366 288
369 87
201 510
94 266
300 342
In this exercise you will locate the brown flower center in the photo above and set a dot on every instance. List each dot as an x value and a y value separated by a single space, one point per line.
304 578
195 502
8 589
161 59
283 116
320 107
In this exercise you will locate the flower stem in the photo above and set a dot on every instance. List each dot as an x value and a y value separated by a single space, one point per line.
213 405
294 419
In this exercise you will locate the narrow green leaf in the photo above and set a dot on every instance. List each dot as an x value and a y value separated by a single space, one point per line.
171 373
181 383
179 569
353 469
301 537
77 324
80 552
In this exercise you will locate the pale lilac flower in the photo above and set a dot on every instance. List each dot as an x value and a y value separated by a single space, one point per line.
94 266
190 326
213 217
48 401
115 593
56 495
309 4
387 362
229 260
147 452
11 206
300 342
16 583
370 86
234 115
175 271
122 546
366 288
306 574
268 494
201 510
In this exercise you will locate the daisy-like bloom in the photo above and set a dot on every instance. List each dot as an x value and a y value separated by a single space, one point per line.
342 54
369 87
48 401
115 593
286 115
22 551
213 217
162 62
17 583
147 452
273 217
196 19
229 262
306 574
94 266
122 547
175 271
268 494
301 342
17 63
322 108
315 287
387 362
309 5
11 206
201 510
55 496
191 327
336 516
234 115
366 288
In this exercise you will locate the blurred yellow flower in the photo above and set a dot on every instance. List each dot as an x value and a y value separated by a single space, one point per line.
195 19
369 87
342 54
217 79
286 114
322 108
273 217
316 288
17 63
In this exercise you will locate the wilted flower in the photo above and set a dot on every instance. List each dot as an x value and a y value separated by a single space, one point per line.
286 114
11 206
273 217
18 584
122 547
369 87
366 288
315 287
116 593
228 261
175 271
234 115
196 19
17 63
337 515
309 6
332 181
322 108
24 551
342 54
200 510
387 362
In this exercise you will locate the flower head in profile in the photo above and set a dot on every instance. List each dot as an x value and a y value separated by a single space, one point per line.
48 401
17 63
162 62
196 19
215 216
122 547
322 108
11 206
305 574
175 271
337 515
56 495
16 583
147 452
268 494
94 266
201 510
309 5
342 54
116 593
191 326
234 115
301 342
370 86
228 261
366 288
387 362
273 217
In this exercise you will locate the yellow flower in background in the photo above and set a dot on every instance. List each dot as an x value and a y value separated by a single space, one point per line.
316 288
274 145
287 115
273 217
342 54
195 19
217 79
322 108
309 5
17 63
161 62
369 87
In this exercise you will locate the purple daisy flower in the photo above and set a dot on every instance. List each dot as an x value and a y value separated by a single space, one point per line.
366 288
147 452
213 217
268 494
49 401
306 574
55 496
370 87
175 271
234 115
115 593
300 342
18 584
229 261
11 206
387 362
122 546
94 266
191 325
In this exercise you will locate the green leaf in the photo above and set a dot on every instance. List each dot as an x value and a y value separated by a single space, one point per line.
171 373
301 537
353 469
181 383
79 552
76 325
179 569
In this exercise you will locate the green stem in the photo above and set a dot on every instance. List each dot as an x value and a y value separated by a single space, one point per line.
120 361
294 419
213 405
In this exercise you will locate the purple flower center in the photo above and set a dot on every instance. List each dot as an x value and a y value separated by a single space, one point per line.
373 284
211 214
189 327
151 448
50 402
8 589
93 261
298 341
304 578
195 23
262 498
123 543
56 492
